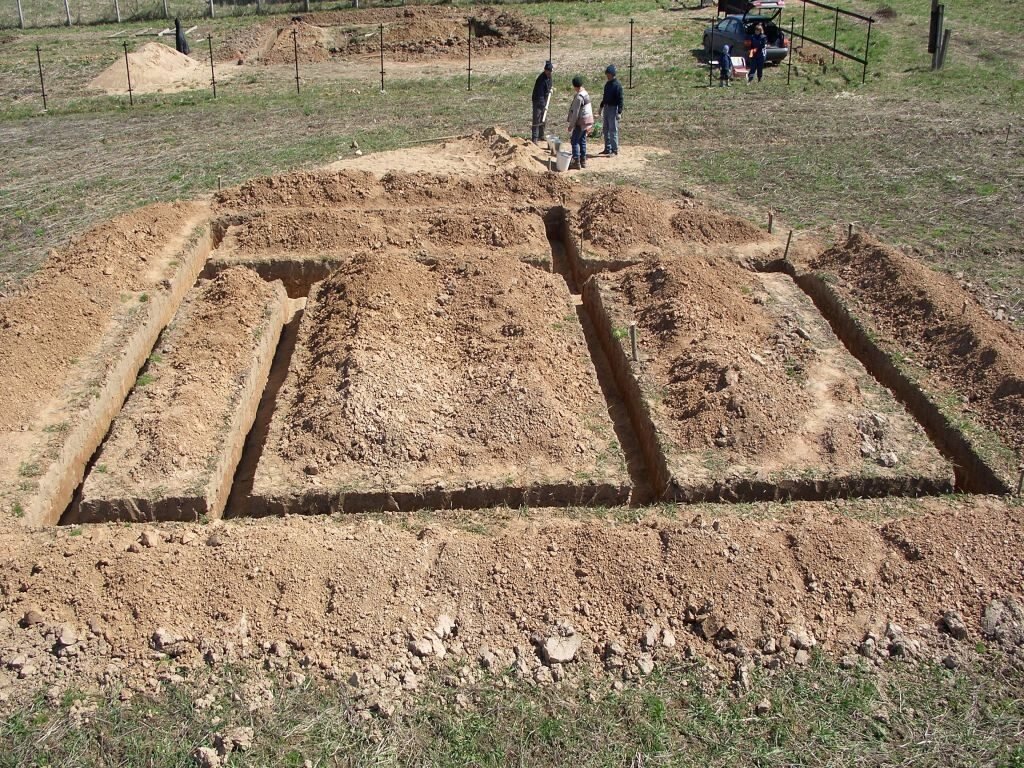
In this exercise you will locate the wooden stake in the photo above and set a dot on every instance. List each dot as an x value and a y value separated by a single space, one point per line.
771 221
219 187
789 239
632 343
849 231
1020 480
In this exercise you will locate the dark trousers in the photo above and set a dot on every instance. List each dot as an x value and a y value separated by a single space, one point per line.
538 124
579 143
756 68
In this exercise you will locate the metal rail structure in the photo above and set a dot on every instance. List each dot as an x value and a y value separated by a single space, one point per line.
804 38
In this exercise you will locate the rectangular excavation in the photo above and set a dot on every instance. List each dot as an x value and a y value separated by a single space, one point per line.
64 373
440 382
742 391
173 450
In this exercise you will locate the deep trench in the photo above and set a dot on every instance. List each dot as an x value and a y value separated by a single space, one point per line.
634 428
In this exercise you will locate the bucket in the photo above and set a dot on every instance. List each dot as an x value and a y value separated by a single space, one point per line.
562 161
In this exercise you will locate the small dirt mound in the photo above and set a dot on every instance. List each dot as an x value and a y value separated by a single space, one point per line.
703 225
314 44
948 333
154 67
616 219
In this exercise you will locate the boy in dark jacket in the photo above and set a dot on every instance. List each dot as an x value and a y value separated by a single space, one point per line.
611 109
541 91
725 68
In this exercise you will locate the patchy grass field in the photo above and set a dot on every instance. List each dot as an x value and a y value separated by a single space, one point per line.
818 716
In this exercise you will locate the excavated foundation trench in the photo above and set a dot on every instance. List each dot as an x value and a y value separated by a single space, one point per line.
644 449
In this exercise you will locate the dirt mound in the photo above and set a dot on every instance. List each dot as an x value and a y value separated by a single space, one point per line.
940 327
479 382
302 189
65 307
154 67
697 223
322 598
618 218
728 365
315 44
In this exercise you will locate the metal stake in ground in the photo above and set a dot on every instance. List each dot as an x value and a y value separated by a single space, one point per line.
382 58
21 16
634 353
128 71
167 11
213 75
867 46
835 36
469 52
789 239
789 56
117 12
551 28
67 11
211 9
295 43
630 53
42 85
711 57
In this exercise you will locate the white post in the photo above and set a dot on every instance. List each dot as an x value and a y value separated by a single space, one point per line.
117 12
167 12
67 11
21 16
211 9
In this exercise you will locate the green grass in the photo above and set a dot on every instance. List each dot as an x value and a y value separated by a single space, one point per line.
820 716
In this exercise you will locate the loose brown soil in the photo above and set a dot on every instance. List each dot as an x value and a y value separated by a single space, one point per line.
172 450
415 377
744 380
325 596
410 34
939 327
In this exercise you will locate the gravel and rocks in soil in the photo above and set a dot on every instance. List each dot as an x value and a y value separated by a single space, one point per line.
744 379
439 374
165 455
379 603
937 326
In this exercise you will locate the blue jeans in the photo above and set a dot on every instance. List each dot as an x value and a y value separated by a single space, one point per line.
756 68
610 128
579 143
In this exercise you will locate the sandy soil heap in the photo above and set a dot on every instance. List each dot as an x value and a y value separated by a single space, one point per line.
418 380
154 67
172 451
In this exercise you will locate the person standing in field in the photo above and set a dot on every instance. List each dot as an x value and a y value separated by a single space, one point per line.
758 51
725 68
541 94
581 120
611 110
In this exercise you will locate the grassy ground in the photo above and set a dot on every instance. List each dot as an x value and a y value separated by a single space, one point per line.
820 716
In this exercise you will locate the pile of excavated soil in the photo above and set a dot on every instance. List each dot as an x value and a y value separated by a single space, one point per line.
352 189
744 369
64 309
624 221
107 606
315 44
154 67
407 374
167 440
938 326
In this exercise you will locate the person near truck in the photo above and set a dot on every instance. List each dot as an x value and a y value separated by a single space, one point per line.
541 93
581 120
758 51
611 110
725 68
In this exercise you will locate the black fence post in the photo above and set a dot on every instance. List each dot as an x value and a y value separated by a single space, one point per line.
469 53
867 46
835 36
803 26
382 58
711 56
630 53
789 57
551 29
295 43
42 85
933 26
213 74
940 20
128 71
